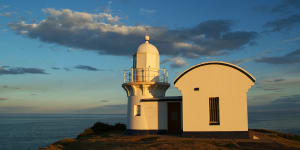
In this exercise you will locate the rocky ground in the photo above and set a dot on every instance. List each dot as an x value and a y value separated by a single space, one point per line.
105 138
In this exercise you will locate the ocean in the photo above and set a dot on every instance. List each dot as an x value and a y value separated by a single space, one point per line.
32 131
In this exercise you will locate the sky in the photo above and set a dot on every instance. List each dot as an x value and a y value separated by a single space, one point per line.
68 56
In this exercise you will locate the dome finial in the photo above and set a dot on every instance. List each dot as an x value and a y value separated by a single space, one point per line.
147 38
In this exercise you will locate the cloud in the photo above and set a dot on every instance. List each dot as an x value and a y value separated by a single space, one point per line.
277 84
284 5
243 60
106 109
88 68
98 33
294 99
292 39
5 14
283 24
20 70
67 69
104 101
176 62
272 89
276 80
3 98
55 68
289 58
147 11
10 87
17 109
286 103
292 83
2 7
251 58
80 16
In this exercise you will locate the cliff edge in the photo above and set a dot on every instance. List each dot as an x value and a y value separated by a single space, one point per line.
103 136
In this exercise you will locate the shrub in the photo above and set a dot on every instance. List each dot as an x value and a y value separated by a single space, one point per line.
86 132
120 127
100 127
289 136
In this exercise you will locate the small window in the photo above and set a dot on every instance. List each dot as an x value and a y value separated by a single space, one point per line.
214 113
137 110
196 89
134 61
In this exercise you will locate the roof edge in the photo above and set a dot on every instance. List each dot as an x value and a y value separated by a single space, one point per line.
251 77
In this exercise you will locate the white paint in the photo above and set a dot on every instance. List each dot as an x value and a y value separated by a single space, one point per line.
145 83
147 56
214 80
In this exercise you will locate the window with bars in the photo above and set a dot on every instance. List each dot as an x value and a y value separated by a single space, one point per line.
214 113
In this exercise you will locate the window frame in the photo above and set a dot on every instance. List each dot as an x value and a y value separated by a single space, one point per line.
214 111
137 110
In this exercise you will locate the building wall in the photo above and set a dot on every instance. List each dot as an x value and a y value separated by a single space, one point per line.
153 115
229 84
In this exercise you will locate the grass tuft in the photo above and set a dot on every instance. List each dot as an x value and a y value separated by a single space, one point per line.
103 129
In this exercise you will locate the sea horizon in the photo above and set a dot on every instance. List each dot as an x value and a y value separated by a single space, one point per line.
34 130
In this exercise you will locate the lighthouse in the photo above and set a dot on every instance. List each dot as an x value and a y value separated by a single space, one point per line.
145 83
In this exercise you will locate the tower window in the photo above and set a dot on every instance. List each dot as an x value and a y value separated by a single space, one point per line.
134 61
137 110
214 113
196 89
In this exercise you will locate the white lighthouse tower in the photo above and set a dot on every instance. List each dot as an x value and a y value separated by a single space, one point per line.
144 83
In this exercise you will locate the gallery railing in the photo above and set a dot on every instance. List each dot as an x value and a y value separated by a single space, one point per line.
145 75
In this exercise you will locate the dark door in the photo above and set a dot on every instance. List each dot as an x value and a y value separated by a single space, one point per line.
174 118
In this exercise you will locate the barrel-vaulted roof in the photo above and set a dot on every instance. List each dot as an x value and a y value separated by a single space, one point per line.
216 63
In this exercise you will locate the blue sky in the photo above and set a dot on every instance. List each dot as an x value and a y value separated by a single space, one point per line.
68 56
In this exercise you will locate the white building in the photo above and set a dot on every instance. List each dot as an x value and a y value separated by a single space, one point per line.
214 99
213 102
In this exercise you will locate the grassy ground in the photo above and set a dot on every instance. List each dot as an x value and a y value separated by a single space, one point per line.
116 139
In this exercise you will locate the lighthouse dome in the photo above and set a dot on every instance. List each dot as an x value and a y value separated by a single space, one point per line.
147 56
147 47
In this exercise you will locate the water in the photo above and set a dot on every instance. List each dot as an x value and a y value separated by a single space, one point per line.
286 122
31 131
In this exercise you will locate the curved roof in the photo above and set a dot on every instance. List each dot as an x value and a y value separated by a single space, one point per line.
147 47
216 63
